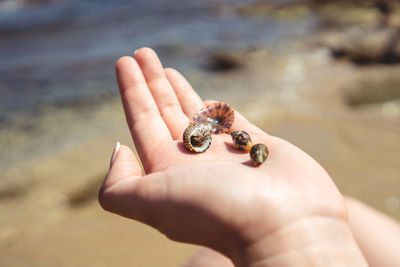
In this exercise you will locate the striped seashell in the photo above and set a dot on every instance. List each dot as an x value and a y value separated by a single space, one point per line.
219 116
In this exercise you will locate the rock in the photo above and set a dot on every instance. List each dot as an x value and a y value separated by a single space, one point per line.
224 61
375 88
365 45
286 10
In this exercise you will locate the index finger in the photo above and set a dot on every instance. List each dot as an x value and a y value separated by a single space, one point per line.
147 127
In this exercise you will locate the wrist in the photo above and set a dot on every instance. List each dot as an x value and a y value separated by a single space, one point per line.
315 241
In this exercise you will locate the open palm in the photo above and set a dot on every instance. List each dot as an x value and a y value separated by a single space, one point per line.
215 198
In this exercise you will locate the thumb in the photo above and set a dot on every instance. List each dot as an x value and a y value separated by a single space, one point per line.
123 164
126 192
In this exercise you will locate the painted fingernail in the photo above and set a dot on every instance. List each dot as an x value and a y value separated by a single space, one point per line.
114 154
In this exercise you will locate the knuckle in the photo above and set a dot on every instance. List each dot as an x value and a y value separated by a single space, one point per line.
168 108
146 115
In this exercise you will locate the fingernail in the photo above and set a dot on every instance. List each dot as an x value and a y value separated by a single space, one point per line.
135 51
114 154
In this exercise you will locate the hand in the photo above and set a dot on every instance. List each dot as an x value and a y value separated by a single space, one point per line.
377 235
215 198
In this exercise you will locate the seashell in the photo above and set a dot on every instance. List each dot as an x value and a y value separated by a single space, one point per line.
219 116
241 140
258 154
197 137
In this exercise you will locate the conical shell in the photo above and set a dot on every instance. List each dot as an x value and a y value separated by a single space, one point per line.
258 154
241 140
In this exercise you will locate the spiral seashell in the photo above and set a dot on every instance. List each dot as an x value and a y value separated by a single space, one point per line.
258 154
219 116
197 137
241 140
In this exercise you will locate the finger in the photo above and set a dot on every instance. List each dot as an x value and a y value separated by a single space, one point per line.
162 91
136 197
123 192
147 127
189 99
124 165
208 257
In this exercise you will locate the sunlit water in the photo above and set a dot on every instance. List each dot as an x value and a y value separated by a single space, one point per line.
62 53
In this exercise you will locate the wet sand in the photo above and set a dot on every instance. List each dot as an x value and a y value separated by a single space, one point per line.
50 215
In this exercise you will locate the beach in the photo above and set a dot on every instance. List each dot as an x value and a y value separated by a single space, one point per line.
61 120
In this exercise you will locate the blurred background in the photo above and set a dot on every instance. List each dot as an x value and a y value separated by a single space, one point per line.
324 75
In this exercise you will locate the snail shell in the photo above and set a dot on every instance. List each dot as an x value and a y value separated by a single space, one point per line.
219 116
197 137
258 154
241 140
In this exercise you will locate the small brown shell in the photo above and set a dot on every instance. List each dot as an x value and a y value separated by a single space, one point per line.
197 137
219 116
258 154
241 140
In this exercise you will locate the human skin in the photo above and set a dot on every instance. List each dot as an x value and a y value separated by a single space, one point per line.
286 211
377 235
